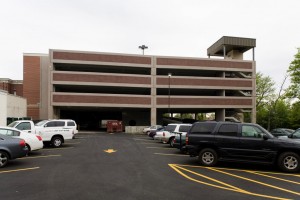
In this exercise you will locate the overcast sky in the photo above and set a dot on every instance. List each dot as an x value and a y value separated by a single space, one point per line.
168 27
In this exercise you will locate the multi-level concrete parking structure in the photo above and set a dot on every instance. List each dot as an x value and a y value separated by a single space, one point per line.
139 89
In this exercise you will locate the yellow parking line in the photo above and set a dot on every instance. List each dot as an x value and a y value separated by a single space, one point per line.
38 157
229 187
243 170
273 177
18 170
165 154
48 149
254 181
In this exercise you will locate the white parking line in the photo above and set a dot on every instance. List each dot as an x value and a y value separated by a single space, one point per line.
33 157
18 170
165 154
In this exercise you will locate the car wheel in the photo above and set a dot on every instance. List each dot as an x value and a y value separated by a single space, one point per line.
28 147
171 142
208 157
3 158
56 142
289 162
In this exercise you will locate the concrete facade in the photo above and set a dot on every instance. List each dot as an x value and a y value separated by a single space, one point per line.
136 85
11 106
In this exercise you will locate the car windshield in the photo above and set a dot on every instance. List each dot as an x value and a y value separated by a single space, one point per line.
296 134
12 124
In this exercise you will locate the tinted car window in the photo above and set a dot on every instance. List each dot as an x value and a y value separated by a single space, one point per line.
24 126
60 123
251 131
204 128
228 129
50 124
184 128
170 128
71 124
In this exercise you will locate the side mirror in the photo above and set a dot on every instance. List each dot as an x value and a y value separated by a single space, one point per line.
265 137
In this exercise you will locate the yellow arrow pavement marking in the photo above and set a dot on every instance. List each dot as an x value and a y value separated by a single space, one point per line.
18 170
225 186
110 151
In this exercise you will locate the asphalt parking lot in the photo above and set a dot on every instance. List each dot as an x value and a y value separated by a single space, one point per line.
122 166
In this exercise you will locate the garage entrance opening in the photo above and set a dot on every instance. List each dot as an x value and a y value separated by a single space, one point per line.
91 120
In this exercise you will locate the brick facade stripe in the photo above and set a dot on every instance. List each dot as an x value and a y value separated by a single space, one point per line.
101 99
205 101
101 58
205 82
204 63
101 78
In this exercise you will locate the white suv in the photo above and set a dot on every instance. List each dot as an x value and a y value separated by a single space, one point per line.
60 123
172 129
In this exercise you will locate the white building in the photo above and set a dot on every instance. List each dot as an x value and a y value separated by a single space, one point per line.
11 106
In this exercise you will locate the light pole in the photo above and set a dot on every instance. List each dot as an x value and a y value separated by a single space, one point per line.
143 47
169 75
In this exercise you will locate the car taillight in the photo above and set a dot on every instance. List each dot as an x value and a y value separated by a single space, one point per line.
22 143
39 137
186 139
163 133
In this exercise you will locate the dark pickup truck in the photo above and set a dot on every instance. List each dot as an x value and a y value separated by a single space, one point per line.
241 142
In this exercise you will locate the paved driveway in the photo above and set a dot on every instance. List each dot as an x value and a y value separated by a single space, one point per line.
121 166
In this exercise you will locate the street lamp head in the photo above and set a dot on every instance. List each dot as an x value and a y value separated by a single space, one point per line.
169 74
143 47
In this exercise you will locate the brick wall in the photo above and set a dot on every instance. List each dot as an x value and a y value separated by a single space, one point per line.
31 84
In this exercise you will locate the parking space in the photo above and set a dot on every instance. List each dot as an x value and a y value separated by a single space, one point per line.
265 182
122 166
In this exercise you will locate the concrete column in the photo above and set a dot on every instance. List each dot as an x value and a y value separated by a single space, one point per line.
253 113
51 114
220 115
153 93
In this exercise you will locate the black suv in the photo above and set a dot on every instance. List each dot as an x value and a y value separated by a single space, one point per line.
241 142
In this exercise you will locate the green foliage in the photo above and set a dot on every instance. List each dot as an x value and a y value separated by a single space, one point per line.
295 116
264 89
294 70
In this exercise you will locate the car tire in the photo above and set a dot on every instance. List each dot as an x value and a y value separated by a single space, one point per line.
289 162
208 157
171 142
56 142
28 147
3 158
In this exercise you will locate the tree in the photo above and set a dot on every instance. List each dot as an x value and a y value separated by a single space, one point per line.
264 89
294 115
269 105
294 70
